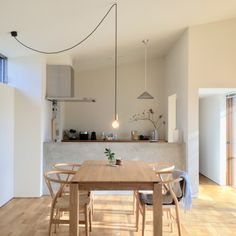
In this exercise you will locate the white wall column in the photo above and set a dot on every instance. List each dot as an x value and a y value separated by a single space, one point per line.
6 143
26 75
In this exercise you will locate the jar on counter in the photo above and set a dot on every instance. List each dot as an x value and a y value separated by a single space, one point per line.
83 135
93 135
134 135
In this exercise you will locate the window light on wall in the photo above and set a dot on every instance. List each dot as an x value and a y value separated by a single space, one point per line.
3 69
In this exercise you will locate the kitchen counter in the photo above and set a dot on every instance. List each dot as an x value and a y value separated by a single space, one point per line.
115 141
78 152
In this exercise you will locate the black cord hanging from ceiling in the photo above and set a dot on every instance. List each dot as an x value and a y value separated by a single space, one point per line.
14 35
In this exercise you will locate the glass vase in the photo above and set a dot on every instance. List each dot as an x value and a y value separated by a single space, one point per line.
112 162
154 136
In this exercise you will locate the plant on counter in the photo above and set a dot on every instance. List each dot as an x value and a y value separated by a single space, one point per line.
149 115
110 155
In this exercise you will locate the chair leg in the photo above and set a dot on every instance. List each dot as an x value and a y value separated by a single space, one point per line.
90 220
50 221
57 218
86 221
92 207
92 203
178 219
137 215
144 219
134 203
171 219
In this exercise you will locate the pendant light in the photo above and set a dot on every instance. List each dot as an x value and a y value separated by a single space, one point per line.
145 94
115 123
14 34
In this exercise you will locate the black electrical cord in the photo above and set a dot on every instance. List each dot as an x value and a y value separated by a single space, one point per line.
14 34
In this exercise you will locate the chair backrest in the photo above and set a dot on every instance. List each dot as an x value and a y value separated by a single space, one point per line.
163 169
57 179
162 166
174 186
67 166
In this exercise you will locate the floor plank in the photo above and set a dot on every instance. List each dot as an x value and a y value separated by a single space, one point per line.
213 214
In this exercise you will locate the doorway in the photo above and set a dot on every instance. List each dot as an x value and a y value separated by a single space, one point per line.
231 142
217 123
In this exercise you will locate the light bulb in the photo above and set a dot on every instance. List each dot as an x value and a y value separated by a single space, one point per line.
115 124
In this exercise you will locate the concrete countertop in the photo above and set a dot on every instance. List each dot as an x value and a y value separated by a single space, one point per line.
115 141
78 152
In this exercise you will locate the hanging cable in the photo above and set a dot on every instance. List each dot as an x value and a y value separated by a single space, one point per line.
116 63
14 35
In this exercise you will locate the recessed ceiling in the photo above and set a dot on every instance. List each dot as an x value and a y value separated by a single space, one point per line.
57 24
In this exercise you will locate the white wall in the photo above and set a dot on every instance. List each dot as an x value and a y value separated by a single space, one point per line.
176 79
209 62
212 138
6 143
99 83
26 74
212 56
176 82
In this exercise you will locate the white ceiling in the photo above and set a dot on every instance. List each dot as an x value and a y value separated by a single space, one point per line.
57 24
206 92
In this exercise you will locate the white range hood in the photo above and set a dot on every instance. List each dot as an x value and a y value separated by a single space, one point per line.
70 99
60 85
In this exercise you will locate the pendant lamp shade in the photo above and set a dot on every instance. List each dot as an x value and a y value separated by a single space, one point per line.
145 94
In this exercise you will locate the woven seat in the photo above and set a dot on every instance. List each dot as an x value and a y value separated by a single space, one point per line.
64 202
167 198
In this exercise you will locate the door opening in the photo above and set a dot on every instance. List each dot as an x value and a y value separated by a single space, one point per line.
231 140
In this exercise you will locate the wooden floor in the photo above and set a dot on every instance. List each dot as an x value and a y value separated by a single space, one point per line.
213 214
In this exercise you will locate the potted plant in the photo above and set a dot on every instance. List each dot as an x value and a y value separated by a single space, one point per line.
110 156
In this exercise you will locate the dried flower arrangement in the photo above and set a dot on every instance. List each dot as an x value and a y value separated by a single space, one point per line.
150 116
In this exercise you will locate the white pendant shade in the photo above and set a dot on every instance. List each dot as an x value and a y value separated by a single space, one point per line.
145 94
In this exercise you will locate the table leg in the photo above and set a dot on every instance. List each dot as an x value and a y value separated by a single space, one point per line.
157 210
74 206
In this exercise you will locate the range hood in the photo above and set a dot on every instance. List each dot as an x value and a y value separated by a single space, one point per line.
70 99
60 85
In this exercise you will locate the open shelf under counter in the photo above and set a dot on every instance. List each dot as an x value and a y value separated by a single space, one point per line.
115 141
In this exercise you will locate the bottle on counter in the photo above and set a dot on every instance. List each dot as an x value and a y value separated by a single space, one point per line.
93 136
55 130
115 136
103 136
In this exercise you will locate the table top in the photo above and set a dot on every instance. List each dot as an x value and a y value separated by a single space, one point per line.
129 172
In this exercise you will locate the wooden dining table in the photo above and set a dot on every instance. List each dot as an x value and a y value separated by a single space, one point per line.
131 175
